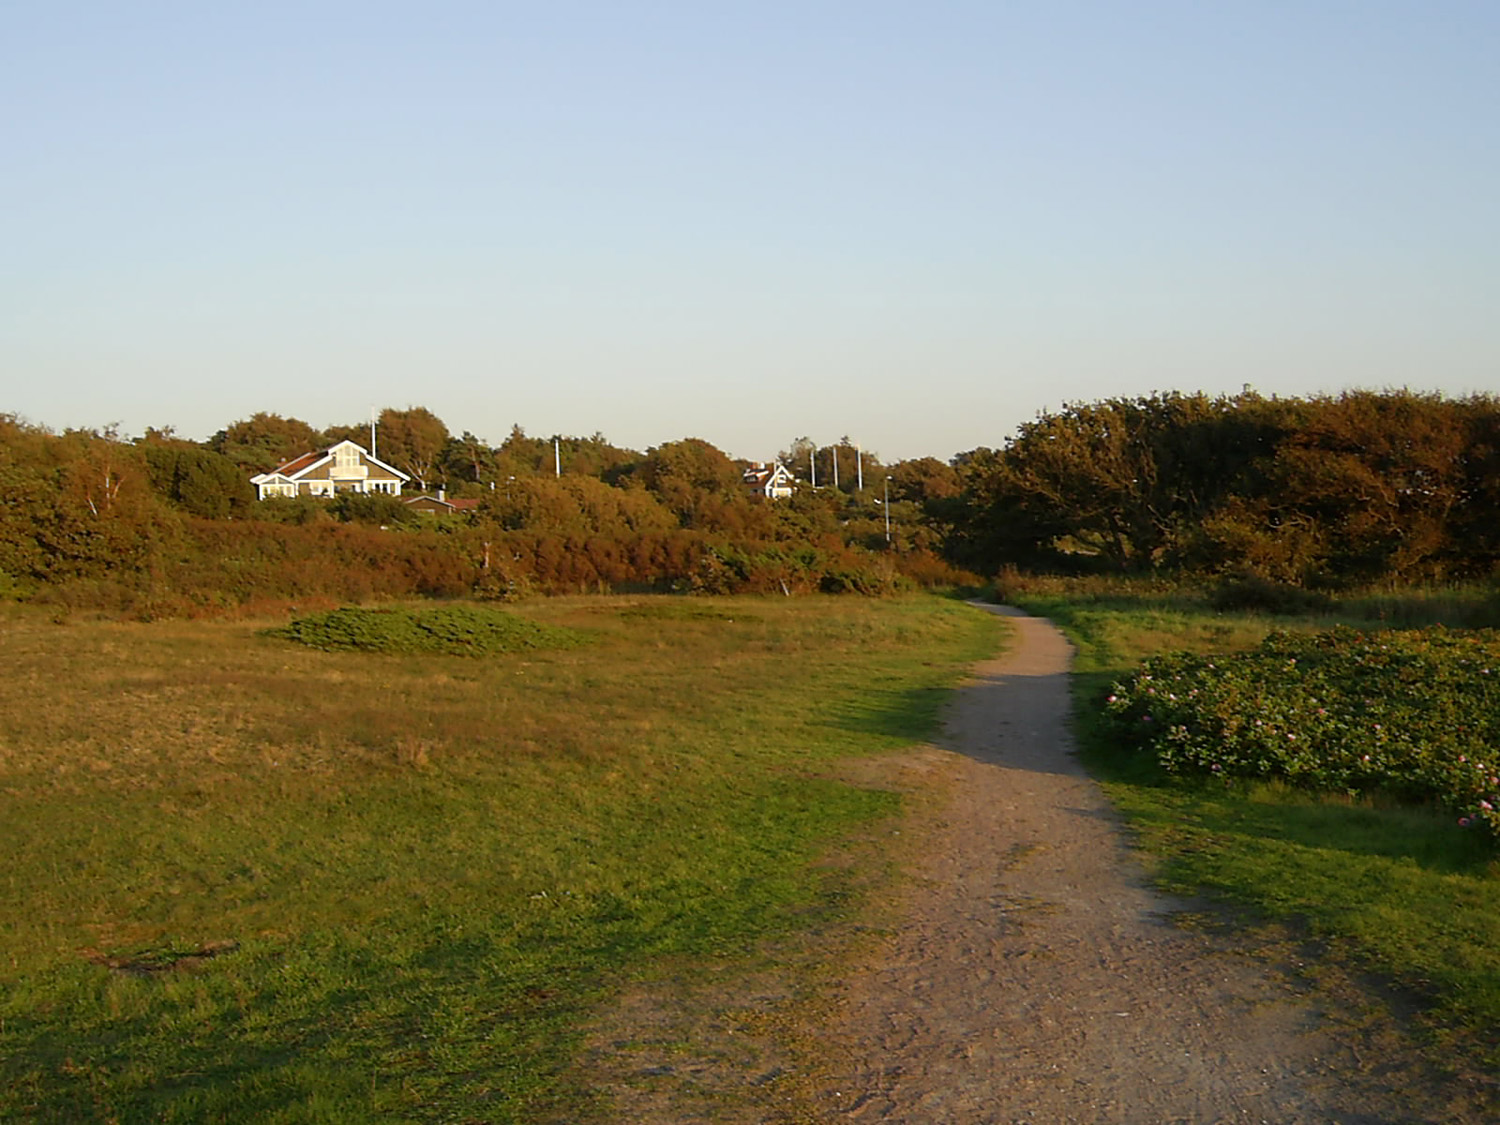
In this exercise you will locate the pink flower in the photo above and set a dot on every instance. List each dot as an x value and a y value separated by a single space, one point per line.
1463 822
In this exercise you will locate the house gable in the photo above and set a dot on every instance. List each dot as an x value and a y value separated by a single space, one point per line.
344 466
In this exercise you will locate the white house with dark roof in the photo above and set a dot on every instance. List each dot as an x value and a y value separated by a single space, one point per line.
343 467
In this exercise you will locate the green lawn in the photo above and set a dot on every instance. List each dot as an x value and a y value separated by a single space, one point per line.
254 881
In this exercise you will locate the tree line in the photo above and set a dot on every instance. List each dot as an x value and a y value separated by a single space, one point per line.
1326 491
159 524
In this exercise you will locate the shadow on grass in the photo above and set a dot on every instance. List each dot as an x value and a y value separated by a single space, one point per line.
1423 836
1371 826
907 715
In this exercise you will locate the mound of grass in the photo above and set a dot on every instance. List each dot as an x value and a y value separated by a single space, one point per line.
1415 713
454 630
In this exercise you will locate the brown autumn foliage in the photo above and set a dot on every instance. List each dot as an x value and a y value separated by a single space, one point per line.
1368 486
1364 487
162 526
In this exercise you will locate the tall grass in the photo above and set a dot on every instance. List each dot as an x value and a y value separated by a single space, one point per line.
1400 890
252 881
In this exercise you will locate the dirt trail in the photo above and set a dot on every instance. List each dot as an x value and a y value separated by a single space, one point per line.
1027 973
1035 977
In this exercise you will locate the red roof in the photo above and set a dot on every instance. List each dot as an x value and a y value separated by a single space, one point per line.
297 464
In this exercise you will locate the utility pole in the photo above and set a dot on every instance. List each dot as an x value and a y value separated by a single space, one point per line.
556 458
812 465
859 466
372 431
887 511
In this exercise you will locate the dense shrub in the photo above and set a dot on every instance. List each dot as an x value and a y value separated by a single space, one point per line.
1342 491
455 630
1254 594
1414 713
929 570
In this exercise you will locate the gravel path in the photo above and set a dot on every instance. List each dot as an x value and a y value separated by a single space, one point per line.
1035 977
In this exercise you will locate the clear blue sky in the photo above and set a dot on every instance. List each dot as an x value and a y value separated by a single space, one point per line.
917 224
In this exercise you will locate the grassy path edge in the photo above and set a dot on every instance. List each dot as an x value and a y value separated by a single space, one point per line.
1394 912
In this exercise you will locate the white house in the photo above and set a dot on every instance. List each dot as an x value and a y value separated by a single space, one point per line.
343 467
773 481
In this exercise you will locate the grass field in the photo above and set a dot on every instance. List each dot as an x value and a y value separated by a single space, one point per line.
249 880
1403 891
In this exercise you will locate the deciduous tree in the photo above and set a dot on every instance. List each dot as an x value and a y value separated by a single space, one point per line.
413 441
263 441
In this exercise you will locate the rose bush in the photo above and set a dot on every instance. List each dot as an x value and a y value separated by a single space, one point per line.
1414 713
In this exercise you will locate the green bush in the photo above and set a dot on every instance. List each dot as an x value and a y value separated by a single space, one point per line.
1414 713
456 630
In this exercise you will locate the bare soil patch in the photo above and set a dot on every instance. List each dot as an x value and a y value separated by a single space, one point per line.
1024 971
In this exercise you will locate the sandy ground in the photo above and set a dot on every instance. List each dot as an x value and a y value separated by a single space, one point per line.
1027 973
